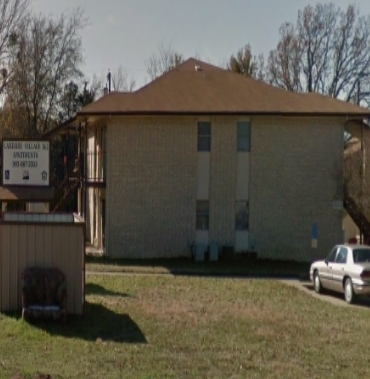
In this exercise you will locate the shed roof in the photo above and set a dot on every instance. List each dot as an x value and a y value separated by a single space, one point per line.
195 87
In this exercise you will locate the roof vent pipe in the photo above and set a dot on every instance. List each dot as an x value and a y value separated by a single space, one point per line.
109 78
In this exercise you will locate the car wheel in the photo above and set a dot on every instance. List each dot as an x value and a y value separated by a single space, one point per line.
317 282
349 294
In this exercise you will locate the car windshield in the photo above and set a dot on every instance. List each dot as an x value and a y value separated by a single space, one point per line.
361 255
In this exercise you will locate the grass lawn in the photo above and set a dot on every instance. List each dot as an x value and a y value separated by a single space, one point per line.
162 326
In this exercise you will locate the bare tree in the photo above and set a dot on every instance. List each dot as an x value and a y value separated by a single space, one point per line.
351 58
328 51
122 81
77 94
12 14
283 68
46 55
95 86
206 58
163 61
247 64
316 29
363 93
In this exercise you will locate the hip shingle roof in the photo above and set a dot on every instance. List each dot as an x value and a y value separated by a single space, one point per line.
212 90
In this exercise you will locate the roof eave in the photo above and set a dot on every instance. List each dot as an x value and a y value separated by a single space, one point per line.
224 113
59 128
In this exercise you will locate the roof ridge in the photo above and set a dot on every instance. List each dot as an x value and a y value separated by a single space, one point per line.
176 69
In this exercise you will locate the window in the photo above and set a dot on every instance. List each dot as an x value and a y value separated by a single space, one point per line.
244 136
204 136
361 255
331 255
341 256
202 222
242 216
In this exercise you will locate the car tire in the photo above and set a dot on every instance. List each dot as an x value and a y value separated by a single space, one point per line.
349 294
317 282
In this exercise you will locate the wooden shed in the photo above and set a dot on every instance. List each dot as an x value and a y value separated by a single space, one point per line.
41 240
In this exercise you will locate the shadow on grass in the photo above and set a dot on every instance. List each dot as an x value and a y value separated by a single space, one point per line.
238 266
96 289
99 324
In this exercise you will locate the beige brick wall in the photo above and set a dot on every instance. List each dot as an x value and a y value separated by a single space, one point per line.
151 186
295 177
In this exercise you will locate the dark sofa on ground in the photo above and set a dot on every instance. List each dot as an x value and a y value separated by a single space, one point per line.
44 294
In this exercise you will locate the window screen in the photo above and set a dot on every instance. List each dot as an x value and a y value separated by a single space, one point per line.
204 136
242 216
244 136
202 222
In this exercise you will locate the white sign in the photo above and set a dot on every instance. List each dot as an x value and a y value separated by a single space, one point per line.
26 163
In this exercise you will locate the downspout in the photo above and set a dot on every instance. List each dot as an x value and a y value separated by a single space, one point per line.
362 181
94 221
362 167
79 169
85 174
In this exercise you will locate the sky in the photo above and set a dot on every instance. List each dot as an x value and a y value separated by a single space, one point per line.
127 32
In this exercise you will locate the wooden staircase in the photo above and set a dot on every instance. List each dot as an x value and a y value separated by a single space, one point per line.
64 192
356 214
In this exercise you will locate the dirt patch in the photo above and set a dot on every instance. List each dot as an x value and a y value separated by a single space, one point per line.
42 376
38 375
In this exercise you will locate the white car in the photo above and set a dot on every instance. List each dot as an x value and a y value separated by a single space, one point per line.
346 269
